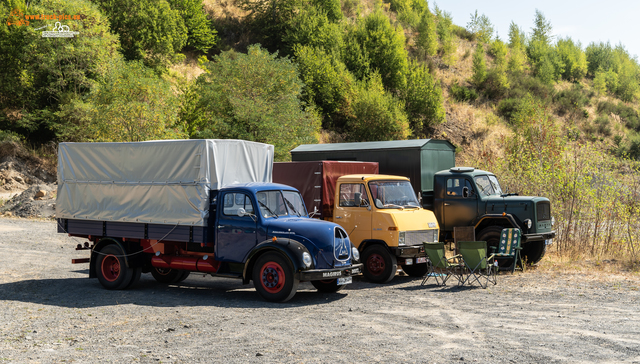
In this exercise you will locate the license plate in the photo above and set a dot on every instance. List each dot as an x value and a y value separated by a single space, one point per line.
355 271
421 260
548 242
345 280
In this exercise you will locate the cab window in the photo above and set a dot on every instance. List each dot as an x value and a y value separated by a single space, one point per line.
455 186
348 193
235 201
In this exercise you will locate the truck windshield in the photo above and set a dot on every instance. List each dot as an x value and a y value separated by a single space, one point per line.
393 194
488 185
280 203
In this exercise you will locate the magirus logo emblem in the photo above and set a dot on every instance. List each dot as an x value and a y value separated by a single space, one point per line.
341 245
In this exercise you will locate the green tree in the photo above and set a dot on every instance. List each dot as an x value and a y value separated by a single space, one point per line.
600 82
380 47
40 74
427 39
200 33
445 36
131 103
328 84
423 99
254 96
311 26
479 66
481 27
542 29
377 115
573 58
149 30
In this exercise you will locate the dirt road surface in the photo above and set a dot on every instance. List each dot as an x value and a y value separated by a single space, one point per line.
52 313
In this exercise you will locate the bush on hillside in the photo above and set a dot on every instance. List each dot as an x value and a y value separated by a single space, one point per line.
254 96
463 93
571 101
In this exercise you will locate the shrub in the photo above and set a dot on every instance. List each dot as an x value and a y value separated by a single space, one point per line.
254 96
479 66
462 93
200 33
571 101
423 100
603 125
149 30
377 115
626 113
427 39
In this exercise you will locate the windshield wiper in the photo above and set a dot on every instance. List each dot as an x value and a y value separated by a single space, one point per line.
291 206
394 206
268 209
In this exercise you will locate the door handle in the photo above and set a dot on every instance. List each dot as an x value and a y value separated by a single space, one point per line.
446 204
220 226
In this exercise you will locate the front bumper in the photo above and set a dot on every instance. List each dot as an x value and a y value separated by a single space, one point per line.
408 251
538 237
323 274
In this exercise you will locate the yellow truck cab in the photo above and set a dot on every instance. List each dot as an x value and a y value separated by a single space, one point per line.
385 222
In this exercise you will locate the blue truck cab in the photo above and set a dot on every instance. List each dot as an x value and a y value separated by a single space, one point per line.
170 208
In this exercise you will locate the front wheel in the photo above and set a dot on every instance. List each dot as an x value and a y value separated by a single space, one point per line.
273 278
415 270
111 268
533 251
330 286
379 265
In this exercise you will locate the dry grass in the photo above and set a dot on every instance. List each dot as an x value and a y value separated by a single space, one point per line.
594 268
189 68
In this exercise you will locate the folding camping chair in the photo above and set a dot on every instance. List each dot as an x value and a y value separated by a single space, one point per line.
479 268
509 249
439 266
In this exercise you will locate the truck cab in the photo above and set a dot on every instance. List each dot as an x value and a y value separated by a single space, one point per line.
465 196
385 222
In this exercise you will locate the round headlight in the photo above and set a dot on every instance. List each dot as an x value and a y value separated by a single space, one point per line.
306 259
528 223
355 253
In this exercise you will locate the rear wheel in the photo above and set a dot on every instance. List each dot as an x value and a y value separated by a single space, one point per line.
415 270
111 268
533 251
273 278
379 265
167 275
329 286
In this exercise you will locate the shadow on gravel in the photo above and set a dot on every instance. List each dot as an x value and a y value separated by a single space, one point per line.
195 291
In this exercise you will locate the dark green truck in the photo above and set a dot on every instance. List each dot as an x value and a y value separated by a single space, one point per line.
459 196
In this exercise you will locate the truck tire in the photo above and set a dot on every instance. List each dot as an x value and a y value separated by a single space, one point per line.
415 270
111 268
379 265
167 275
330 286
533 251
273 278
137 272
491 235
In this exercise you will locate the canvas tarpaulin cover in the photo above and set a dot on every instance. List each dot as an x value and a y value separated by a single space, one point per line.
160 182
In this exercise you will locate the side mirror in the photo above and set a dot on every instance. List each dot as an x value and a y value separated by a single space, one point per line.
241 212
356 198
465 192
379 204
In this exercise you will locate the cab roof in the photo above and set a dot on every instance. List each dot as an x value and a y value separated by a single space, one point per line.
459 171
370 177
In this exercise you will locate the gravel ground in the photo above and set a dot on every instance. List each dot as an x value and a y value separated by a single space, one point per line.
53 313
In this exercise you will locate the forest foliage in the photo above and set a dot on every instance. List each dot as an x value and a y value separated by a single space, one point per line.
298 71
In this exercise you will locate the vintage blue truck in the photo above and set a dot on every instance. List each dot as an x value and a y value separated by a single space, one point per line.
173 207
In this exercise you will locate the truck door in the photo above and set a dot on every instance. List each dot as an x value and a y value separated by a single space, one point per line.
460 203
353 211
236 235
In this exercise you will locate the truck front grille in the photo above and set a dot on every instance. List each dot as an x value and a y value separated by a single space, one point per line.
420 236
544 211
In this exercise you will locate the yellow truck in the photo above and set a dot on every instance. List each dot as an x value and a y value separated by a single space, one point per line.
380 212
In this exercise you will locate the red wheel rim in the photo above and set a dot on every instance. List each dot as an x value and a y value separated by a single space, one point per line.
272 277
375 264
110 268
